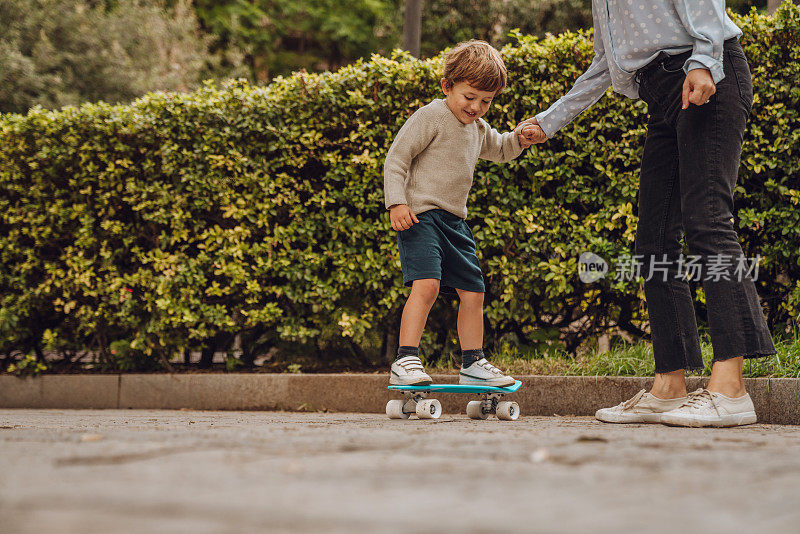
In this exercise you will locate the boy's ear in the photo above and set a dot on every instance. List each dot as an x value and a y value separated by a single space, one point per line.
445 86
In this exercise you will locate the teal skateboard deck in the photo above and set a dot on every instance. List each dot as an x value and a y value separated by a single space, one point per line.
416 401
460 388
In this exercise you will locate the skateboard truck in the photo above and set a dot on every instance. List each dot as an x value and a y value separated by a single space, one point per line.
417 401
491 404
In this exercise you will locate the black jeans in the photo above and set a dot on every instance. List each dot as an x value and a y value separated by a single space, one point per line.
689 171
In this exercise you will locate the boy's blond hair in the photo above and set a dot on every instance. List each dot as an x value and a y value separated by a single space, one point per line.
478 63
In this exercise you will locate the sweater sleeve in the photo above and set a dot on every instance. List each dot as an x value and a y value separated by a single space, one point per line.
414 136
499 147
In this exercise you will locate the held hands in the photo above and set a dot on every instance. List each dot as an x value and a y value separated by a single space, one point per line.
531 133
402 217
698 87
524 137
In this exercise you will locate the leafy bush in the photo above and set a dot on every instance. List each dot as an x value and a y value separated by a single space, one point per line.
28 365
182 220
59 52
281 36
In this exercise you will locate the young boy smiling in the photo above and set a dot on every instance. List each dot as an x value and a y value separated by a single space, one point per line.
428 174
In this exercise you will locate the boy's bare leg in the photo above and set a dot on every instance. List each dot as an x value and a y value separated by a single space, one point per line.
475 369
415 313
470 320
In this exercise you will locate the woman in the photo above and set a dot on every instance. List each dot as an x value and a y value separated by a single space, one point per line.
683 58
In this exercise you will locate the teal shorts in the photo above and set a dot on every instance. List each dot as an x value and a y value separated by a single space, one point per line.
440 246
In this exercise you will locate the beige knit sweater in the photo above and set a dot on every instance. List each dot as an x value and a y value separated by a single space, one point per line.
432 159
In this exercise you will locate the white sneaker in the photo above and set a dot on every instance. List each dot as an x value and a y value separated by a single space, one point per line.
642 408
408 371
483 373
708 408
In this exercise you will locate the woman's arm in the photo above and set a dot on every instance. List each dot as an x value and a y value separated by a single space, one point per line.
704 21
587 90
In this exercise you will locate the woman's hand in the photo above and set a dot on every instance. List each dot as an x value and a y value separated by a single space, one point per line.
524 142
698 87
532 133
402 217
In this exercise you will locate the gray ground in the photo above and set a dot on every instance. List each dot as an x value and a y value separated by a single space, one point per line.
187 471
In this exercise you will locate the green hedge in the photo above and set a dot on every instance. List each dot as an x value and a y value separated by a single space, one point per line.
182 220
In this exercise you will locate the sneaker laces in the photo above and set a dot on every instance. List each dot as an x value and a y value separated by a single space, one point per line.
630 403
698 399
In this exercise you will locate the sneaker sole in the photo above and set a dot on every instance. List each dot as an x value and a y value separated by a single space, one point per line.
423 382
726 421
487 383
627 418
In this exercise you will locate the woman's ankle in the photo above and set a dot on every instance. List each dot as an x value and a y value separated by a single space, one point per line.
670 385
732 387
726 378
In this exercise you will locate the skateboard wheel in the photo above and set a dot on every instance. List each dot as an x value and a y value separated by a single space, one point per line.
429 409
507 410
475 410
394 409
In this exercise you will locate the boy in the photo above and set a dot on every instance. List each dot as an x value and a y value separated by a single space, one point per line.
427 176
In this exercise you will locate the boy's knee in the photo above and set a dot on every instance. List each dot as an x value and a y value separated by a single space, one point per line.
471 298
427 288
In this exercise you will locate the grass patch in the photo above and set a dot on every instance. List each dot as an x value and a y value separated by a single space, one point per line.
630 360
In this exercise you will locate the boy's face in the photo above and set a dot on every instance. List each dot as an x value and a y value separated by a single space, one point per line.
466 102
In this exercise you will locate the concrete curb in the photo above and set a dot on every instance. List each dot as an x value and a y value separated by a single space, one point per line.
777 400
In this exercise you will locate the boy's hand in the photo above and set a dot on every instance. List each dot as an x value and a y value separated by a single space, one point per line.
532 133
402 217
524 142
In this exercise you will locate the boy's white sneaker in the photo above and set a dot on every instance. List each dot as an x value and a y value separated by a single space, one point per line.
483 373
644 407
408 371
709 408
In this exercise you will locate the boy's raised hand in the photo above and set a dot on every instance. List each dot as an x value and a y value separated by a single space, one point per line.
402 217
532 133
524 142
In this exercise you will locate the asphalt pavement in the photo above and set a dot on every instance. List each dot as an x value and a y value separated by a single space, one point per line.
131 471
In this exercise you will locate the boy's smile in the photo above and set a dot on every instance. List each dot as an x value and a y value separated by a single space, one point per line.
467 103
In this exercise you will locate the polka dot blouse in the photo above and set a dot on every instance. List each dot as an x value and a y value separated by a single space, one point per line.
628 34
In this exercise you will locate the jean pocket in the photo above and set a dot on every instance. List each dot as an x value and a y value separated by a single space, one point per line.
672 65
741 76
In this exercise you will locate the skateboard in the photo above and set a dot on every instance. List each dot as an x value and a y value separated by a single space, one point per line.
416 401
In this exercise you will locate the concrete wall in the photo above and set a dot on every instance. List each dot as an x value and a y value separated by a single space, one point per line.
777 400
